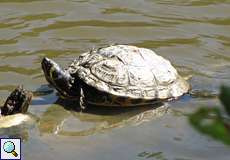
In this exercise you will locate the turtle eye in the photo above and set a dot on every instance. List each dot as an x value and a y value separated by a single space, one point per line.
54 75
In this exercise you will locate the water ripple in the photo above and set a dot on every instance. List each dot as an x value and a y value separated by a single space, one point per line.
168 42
191 2
20 70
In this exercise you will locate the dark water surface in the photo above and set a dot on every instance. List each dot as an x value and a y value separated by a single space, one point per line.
193 34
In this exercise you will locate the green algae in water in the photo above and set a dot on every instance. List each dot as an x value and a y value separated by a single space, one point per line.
211 122
225 98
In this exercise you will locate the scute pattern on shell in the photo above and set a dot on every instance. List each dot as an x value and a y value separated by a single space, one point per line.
129 71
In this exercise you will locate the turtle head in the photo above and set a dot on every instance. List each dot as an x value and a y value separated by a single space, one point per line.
17 102
60 79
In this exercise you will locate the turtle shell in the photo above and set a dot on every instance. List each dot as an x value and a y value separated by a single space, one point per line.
129 71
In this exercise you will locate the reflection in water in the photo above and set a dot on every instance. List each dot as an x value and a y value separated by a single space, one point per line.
17 126
15 132
152 155
70 121
156 156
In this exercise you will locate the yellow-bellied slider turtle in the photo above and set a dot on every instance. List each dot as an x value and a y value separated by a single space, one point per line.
118 75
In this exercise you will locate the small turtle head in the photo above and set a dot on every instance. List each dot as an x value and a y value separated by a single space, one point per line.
61 80
17 102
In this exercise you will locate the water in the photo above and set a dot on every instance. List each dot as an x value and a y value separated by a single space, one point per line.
192 34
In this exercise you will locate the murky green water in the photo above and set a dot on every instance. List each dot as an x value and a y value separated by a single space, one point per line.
193 34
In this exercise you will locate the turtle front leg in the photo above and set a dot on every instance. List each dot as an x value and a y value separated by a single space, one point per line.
82 100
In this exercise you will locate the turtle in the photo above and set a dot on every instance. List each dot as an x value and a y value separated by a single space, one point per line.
116 76
13 112
17 102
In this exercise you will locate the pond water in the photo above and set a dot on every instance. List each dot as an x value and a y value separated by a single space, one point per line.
193 34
